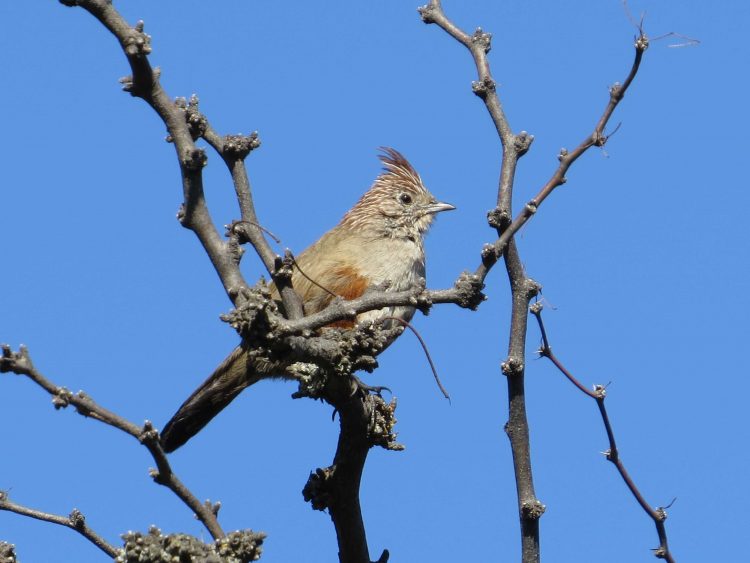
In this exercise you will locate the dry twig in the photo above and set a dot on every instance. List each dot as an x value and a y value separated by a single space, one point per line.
20 363
599 393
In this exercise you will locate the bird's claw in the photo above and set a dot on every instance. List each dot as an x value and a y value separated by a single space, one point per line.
365 388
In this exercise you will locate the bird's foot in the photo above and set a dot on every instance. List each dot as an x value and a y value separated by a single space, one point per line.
365 388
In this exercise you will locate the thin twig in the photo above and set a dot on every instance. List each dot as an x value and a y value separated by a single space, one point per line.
75 521
596 139
659 514
20 363
688 41
530 509
276 239
426 353
233 149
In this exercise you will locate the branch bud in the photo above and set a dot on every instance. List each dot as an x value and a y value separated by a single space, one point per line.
427 13
483 87
482 40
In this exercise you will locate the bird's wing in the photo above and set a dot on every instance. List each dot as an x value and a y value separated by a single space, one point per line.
336 280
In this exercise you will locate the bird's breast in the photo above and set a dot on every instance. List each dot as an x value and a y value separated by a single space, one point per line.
393 264
397 262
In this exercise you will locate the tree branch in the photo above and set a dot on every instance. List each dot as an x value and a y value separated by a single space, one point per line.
514 146
20 363
599 393
75 521
233 150
596 139
185 125
523 288
366 421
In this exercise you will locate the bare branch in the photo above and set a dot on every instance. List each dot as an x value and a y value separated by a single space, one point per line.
523 288
426 351
515 146
599 393
596 138
365 421
185 124
75 521
20 363
233 149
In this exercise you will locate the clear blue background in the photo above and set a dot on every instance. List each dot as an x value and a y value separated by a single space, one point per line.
643 255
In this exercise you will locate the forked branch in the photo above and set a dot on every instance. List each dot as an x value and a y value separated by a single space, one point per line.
185 124
501 218
20 363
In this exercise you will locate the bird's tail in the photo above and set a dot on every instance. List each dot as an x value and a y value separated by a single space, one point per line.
220 389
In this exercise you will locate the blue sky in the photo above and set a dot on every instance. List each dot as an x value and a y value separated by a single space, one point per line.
643 257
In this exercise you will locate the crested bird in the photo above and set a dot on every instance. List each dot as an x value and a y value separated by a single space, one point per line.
378 243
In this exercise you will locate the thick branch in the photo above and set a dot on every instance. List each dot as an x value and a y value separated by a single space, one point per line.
523 289
659 514
366 421
517 428
20 363
75 521
344 482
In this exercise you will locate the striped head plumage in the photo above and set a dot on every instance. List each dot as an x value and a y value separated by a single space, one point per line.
397 205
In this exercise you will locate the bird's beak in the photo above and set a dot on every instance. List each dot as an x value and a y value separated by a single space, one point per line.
437 207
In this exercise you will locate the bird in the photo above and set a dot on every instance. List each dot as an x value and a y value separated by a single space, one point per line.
377 244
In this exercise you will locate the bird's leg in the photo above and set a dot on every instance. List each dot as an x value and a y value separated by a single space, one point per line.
365 388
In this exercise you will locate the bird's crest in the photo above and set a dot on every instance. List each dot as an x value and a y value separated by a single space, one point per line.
382 199
400 169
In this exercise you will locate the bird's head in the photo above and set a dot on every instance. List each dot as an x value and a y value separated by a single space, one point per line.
398 205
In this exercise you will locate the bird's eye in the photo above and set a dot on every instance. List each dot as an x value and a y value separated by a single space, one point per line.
405 199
